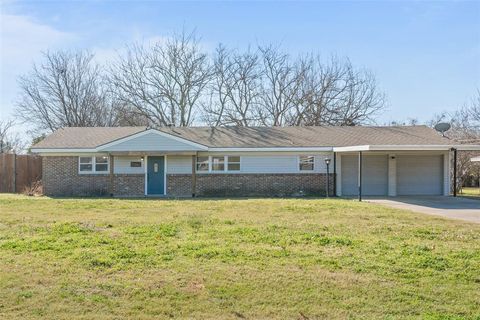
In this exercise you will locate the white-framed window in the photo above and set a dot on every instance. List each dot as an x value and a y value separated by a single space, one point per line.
233 163
202 164
217 164
85 164
95 164
306 163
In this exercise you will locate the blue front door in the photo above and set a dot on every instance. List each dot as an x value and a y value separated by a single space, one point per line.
156 175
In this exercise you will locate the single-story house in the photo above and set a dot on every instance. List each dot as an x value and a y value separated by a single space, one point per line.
247 161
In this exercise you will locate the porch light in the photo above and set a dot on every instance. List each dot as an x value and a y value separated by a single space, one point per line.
327 162
141 158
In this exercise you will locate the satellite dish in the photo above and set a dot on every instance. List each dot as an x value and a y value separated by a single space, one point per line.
442 127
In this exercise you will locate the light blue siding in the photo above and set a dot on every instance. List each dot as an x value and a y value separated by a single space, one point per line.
179 164
121 165
152 142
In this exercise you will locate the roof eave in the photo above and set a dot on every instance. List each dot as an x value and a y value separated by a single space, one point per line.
427 147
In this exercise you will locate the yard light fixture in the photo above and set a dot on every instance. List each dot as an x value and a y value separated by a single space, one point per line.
327 162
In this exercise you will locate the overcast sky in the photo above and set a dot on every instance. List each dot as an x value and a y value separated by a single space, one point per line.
426 55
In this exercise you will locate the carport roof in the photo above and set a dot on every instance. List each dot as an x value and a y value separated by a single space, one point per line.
366 137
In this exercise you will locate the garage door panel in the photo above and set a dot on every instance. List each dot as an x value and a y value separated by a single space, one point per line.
374 175
420 175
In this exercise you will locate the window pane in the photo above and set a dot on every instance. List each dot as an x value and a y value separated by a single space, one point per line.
101 167
233 159
218 163
85 167
101 164
85 159
233 166
101 159
306 163
202 164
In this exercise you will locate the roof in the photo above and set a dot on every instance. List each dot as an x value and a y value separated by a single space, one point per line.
253 137
85 137
325 136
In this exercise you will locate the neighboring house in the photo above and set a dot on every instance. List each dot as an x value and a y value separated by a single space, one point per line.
246 161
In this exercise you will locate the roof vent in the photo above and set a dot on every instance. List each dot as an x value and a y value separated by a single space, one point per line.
442 127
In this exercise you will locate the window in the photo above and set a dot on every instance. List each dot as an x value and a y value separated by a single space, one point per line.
101 164
202 164
135 164
86 164
93 164
218 163
306 163
233 163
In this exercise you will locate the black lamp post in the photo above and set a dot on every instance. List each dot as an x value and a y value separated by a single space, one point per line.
327 162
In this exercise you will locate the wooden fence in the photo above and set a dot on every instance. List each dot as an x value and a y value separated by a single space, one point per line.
18 172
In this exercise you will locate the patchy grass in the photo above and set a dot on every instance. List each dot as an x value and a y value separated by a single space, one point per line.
230 259
470 192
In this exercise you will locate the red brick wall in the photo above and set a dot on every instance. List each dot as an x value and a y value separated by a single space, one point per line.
129 185
241 185
61 178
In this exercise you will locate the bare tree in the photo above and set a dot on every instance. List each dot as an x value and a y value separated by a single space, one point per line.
465 128
235 89
281 87
164 82
335 93
65 90
9 141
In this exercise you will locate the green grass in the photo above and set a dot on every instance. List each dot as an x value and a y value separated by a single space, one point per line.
470 192
233 259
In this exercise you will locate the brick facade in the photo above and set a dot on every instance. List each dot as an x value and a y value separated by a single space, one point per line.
61 178
129 185
179 185
242 185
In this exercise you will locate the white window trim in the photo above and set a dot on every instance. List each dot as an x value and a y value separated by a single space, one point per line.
225 165
227 162
305 155
211 164
93 158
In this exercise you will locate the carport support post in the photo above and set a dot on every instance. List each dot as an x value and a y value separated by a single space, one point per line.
194 175
360 176
454 172
334 174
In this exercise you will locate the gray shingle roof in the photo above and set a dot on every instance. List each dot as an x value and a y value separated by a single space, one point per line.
251 137
239 137
85 137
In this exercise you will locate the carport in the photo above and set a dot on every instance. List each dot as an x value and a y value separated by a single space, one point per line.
396 170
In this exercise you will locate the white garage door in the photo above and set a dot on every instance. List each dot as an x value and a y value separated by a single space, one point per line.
374 175
419 175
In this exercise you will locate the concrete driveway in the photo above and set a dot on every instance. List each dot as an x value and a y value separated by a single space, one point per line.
448 207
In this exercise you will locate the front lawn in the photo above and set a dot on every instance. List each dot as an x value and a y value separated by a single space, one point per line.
233 259
470 192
